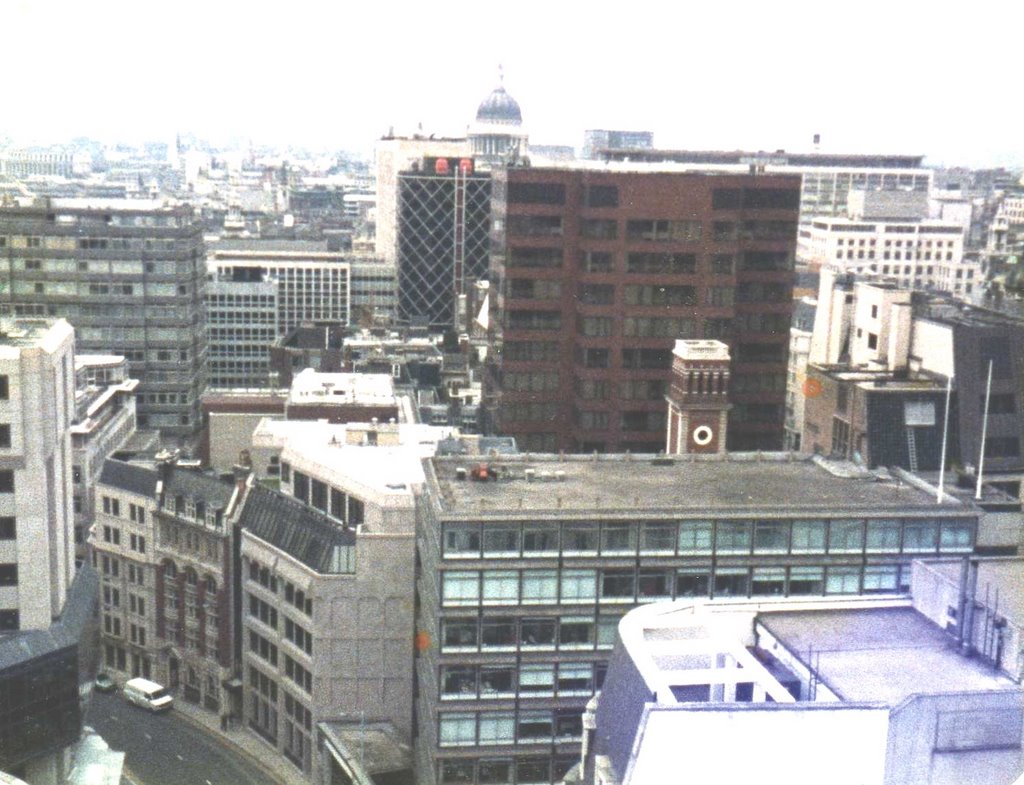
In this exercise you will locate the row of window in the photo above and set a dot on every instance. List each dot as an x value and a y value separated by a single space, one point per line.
528 680
508 727
690 537
522 771
630 585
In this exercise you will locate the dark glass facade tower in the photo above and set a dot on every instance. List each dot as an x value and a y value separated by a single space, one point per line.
443 243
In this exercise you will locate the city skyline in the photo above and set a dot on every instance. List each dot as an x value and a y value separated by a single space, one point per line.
884 79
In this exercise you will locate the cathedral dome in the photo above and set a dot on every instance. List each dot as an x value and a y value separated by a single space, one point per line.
499 107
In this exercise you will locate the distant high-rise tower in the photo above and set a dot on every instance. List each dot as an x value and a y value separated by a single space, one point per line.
698 398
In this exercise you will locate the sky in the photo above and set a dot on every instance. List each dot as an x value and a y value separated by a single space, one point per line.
938 79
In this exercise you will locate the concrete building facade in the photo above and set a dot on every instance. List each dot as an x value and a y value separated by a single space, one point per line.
105 421
129 276
527 564
37 394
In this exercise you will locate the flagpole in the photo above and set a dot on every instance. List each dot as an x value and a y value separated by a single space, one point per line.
984 433
945 439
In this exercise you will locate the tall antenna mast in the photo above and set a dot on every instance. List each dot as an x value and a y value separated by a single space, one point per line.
945 438
984 433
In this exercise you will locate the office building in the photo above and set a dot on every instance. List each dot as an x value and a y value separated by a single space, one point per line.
37 395
881 358
47 656
796 375
444 212
163 545
243 325
596 142
844 690
887 233
312 284
327 568
129 276
597 272
528 563
826 178
104 422
374 292
394 155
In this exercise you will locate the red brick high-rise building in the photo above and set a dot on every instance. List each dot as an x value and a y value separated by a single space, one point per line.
597 272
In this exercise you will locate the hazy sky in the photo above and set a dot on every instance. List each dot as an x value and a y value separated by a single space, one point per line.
939 78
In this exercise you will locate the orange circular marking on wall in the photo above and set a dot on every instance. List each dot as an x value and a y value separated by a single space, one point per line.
812 388
422 641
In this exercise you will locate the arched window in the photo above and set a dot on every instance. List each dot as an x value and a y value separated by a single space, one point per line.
170 569
211 584
191 577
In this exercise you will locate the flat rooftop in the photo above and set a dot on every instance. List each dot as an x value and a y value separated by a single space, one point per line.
311 387
739 483
882 655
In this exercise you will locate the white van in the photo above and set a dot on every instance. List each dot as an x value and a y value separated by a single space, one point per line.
147 694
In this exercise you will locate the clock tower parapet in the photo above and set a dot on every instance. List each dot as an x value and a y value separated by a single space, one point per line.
698 398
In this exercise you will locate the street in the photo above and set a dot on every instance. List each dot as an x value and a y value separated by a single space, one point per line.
165 749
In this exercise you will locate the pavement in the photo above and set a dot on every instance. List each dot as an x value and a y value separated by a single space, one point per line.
244 742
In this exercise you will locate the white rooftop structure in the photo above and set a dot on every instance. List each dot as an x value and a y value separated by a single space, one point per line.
311 386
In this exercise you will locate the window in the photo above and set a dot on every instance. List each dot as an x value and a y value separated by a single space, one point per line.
457 729
806 580
771 536
768 581
733 537
534 257
576 632
537 680
578 585
618 538
579 539
883 536
599 228
540 586
4 388
7 528
731 582
460 588
536 193
5 435
658 538
537 633
654 584
498 634
600 196
540 540
845 536
500 587
8 574
618 585
661 263
843 580
496 728
6 481
694 537
459 634
919 535
596 261
881 579
461 542
956 535
501 541
1002 447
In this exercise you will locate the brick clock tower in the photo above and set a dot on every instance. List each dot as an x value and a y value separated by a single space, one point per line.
698 398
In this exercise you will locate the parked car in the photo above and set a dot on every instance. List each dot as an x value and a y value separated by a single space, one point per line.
147 694
104 682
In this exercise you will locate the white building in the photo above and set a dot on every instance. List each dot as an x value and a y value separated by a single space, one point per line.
242 319
327 570
37 395
887 233
858 691
104 422
312 285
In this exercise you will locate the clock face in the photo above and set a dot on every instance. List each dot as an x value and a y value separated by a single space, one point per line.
702 435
